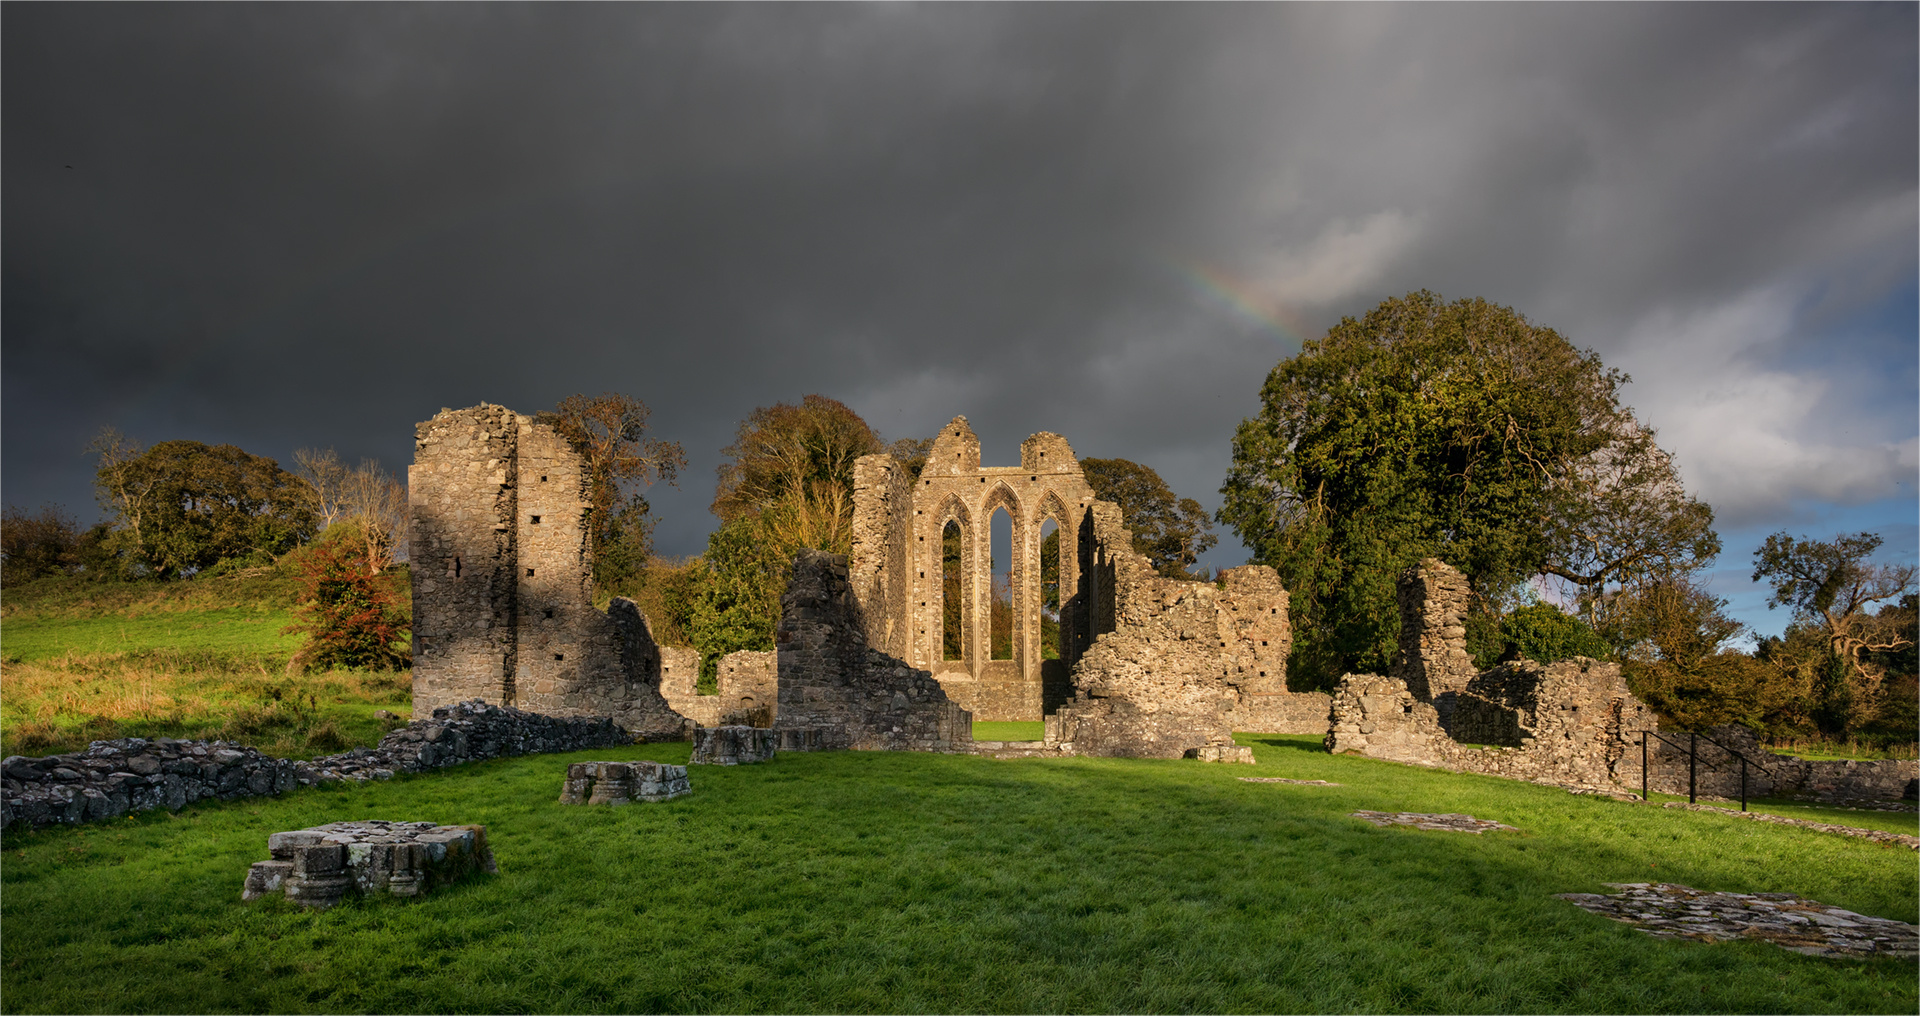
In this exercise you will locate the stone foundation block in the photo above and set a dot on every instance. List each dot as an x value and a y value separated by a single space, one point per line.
730 746
316 867
624 783
1222 753
799 738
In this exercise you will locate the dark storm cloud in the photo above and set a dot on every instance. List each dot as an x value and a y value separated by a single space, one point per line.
316 225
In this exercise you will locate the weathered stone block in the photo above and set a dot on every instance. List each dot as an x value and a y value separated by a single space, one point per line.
624 783
733 745
316 867
1222 753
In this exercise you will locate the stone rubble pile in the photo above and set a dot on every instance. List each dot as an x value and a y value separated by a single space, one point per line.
624 783
1453 822
114 778
1666 910
733 745
316 867
1876 835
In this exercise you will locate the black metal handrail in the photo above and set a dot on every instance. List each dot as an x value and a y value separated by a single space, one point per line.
1693 762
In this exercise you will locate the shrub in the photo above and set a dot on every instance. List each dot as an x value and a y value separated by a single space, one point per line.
350 617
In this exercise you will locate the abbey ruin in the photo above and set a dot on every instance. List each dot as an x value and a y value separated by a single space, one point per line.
869 655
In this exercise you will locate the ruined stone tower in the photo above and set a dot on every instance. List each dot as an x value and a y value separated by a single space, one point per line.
502 579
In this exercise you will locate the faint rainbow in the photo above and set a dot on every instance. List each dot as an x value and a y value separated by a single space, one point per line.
1244 298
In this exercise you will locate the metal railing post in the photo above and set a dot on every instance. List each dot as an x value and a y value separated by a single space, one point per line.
1693 760
1743 783
1644 796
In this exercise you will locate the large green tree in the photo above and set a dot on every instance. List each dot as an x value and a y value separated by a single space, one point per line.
1832 587
182 505
787 485
1458 430
1172 531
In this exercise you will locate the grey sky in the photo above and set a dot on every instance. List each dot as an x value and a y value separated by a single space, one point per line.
310 225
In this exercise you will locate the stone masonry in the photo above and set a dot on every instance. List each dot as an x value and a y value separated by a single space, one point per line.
1175 666
733 746
113 778
1569 723
1573 723
748 687
624 783
1433 659
832 681
316 867
499 534
896 565
1716 771
1105 589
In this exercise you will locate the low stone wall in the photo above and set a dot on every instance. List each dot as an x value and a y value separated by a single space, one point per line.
469 732
1717 773
1568 724
113 778
857 696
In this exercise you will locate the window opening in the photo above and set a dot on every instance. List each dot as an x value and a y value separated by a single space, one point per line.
1000 616
951 647
1049 589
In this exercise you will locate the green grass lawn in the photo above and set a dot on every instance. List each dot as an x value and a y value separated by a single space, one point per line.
225 630
903 882
1009 730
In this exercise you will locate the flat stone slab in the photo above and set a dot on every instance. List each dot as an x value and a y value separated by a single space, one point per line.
1666 910
1282 779
624 783
1452 823
316 867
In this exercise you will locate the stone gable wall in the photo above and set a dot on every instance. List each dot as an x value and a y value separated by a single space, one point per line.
500 542
832 682
895 564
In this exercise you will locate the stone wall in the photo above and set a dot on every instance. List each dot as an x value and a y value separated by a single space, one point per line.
1570 723
1433 659
1176 666
1717 771
831 680
501 551
747 683
112 778
896 565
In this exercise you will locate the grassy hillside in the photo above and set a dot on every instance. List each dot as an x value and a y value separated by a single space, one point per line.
202 658
899 882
